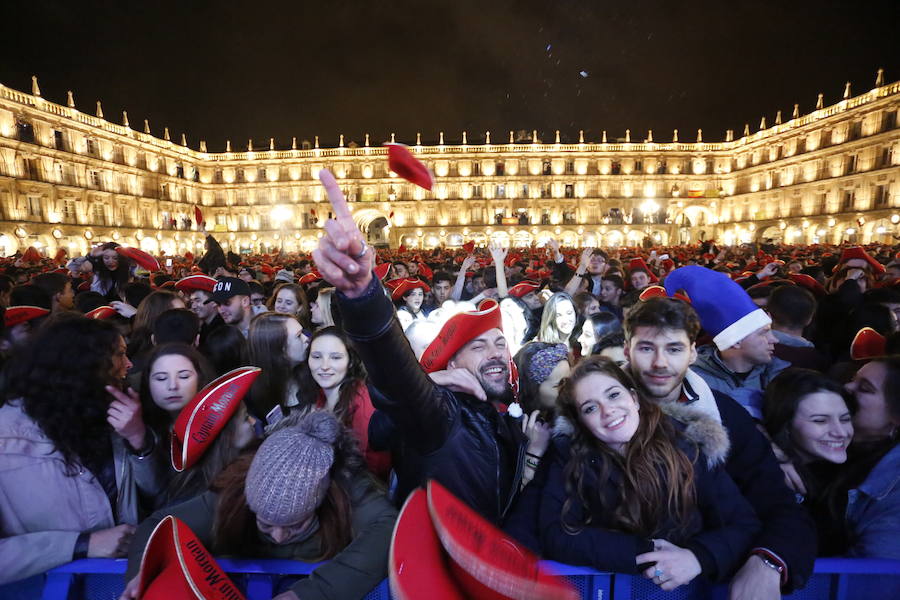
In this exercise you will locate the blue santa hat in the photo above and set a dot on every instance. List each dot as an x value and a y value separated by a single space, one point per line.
726 311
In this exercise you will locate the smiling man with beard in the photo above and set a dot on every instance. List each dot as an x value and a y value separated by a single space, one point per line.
452 432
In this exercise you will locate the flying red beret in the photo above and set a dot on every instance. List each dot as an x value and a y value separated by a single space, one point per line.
207 414
858 252
458 331
195 282
403 163
16 315
177 565
400 287
469 247
198 215
140 257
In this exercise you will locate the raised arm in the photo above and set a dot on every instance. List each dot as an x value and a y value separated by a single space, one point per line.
576 282
467 264
498 253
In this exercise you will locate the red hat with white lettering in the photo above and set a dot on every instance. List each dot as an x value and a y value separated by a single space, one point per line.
176 564
523 288
207 414
16 315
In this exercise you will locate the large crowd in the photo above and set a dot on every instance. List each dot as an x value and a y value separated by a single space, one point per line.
729 413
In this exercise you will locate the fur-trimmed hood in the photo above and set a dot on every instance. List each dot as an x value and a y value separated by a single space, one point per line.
708 433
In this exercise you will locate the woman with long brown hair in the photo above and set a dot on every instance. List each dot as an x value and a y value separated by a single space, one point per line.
290 298
278 345
334 379
633 492
303 495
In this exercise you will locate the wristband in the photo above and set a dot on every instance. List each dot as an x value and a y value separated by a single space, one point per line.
534 456
773 562
81 545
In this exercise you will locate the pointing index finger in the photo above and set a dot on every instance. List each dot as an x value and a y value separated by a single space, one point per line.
335 196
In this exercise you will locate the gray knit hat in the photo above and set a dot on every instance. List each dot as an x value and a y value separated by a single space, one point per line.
288 477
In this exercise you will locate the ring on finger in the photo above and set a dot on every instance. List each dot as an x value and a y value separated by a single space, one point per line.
363 253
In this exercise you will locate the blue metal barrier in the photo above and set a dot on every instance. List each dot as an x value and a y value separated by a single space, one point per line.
100 579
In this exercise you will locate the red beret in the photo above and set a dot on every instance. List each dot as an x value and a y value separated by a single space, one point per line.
657 291
858 252
469 247
31 255
198 215
101 312
140 257
638 263
382 269
425 271
207 414
309 278
403 286
458 331
195 282
523 288
403 163
16 315
867 344
808 282
177 565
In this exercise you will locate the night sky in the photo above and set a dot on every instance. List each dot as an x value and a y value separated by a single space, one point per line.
239 70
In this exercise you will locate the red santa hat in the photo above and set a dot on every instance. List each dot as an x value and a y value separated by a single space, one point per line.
196 282
176 564
401 287
16 315
206 415
458 331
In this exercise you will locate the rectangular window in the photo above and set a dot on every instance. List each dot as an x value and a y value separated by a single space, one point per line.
90 146
93 179
570 191
69 210
570 166
499 168
525 190
220 219
261 174
59 141
851 164
476 168
476 191
848 200
638 166
217 176
264 221
99 213
34 206
880 196
501 191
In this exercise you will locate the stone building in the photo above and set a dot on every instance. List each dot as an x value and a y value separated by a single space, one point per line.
68 179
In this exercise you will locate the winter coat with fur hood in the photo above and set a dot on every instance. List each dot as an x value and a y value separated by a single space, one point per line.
719 532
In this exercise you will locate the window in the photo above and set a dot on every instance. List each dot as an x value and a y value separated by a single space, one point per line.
525 190
69 210
239 175
25 132
94 179
90 146
848 200
261 174
850 164
99 212
58 140
220 219
217 176
476 168
890 120
880 196
638 166
34 206
499 168
179 171
570 191
887 157
501 191
616 167
476 191
264 221
547 168
570 166
545 217
855 130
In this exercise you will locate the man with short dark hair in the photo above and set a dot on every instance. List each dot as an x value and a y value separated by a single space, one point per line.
792 309
232 298
660 346
59 288
441 287
176 325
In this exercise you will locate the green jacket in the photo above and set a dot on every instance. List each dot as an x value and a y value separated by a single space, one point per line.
353 573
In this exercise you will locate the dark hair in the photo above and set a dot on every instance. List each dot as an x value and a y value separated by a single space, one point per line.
88 301
134 293
610 340
30 295
147 312
266 343
226 348
600 252
792 306
529 390
783 396
442 276
356 376
155 417
120 276
6 283
60 377
582 300
657 482
614 279
662 313
176 325
891 382
234 524
604 323
52 283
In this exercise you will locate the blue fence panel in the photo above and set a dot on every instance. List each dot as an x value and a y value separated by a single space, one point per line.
97 579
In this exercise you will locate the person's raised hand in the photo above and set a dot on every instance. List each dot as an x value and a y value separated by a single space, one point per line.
343 257
468 262
537 432
123 308
459 380
498 253
124 415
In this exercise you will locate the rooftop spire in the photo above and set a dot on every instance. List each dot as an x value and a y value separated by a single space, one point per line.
394 138
293 143
166 135
534 136
675 136
650 136
604 137
418 138
778 118
511 139
70 100
581 136
184 140
341 143
465 138
729 135
35 88
557 136
762 123
796 113
627 136
146 126
99 110
820 102
317 141
271 143
367 140
879 78
125 119
846 90
227 145
487 138
202 145
746 129
250 145
699 136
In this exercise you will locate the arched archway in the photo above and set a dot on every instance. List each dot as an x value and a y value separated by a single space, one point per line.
374 223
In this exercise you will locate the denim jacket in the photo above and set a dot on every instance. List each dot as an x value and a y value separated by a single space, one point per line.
873 511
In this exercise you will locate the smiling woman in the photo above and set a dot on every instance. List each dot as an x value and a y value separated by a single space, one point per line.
631 488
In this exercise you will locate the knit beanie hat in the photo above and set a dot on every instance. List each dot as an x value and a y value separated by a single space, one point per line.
288 477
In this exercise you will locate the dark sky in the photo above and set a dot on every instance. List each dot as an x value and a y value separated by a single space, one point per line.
218 69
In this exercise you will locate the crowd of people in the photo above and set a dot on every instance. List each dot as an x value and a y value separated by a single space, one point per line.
728 413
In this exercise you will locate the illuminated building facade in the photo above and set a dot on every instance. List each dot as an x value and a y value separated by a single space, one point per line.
68 179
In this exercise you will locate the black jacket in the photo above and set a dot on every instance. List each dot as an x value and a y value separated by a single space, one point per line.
462 442
720 530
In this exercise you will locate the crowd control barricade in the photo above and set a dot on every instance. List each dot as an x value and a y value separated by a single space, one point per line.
103 579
